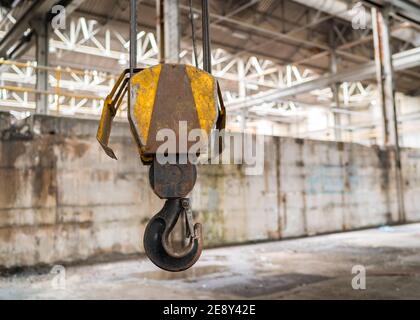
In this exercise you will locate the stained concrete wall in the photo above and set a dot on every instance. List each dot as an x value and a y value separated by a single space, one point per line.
62 199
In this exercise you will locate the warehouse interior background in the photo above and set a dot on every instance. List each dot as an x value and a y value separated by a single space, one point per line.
332 85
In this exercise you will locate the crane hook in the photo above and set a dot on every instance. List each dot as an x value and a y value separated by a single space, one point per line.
156 237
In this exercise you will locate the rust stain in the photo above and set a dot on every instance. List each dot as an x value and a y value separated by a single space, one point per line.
174 104
300 163
282 216
72 149
11 150
102 175
284 202
79 149
44 182
300 141
385 165
146 83
6 235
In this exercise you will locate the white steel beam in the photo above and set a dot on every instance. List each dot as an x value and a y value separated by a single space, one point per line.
401 61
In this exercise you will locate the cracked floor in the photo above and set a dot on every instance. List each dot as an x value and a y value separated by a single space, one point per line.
309 268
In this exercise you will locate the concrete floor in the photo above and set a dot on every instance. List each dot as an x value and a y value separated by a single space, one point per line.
315 268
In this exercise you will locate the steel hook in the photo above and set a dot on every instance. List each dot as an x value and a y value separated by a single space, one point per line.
156 237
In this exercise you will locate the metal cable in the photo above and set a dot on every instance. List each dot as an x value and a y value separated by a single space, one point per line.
193 35
133 36
206 36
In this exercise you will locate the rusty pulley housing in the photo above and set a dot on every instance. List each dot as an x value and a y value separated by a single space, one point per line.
165 95
161 97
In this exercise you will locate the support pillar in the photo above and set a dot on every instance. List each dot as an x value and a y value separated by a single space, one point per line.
242 93
384 76
386 95
168 33
335 88
41 26
336 99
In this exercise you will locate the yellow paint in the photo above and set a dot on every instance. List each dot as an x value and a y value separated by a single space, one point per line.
104 129
204 92
147 83
105 122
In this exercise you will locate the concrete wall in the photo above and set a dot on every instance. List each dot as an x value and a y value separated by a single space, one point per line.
62 199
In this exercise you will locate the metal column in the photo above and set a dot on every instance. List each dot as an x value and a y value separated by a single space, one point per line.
168 30
242 93
41 26
386 92
337 116
384 76
335 88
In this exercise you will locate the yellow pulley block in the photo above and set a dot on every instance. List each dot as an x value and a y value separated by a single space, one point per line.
160 98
